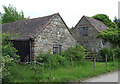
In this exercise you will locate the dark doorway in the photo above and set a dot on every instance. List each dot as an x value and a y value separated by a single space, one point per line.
23 48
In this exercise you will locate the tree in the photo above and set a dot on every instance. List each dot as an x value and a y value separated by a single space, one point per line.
105 19
117 21
11 14
0 18
111 35
7 47
8 56
71 28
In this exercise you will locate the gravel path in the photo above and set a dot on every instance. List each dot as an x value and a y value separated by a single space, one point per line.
111 77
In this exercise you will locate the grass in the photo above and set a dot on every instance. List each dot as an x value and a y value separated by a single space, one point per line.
23 73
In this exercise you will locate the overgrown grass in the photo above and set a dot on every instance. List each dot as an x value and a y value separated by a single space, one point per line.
23 73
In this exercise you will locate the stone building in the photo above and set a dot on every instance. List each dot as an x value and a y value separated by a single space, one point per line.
86 32
43 34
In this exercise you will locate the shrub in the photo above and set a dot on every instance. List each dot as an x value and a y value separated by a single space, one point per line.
55 59
77 53
7 47
6 63
50 57
8 56
117 52
108 52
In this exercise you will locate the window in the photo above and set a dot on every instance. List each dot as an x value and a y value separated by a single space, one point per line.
85 35
60 48
84 30
57 48
103 41
78 42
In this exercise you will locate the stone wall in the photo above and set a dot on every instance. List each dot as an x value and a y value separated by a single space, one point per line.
55 32
89 41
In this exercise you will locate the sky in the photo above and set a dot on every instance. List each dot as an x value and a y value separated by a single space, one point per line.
70 10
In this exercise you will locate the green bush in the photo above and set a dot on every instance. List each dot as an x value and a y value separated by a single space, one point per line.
77 53
56 59
6 63
50 57
117 52
8 57
108 52
7 47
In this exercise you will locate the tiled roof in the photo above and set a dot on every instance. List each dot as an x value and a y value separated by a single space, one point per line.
100 26
27 29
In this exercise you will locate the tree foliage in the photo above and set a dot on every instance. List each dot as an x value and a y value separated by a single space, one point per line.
71 28
46 57
7 47
105 19
117 21
77 53
8 56
111 35
106 51
0 18
11 14
5 62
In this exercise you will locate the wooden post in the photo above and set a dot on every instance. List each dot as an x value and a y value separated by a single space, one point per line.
72 64
30 58
113 59
43 71
94 62
35 68
50 69
106 61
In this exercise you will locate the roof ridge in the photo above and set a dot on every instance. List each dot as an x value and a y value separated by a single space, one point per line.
95 19
31 26
54 15
99 25
32 18
91 22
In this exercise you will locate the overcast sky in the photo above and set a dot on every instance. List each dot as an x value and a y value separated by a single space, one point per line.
70 10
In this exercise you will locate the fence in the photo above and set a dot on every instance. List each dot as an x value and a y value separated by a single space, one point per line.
93 57
39 68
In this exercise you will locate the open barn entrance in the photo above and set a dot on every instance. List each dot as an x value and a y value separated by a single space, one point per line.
23 48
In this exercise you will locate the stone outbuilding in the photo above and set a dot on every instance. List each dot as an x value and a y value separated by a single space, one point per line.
43 34
86 32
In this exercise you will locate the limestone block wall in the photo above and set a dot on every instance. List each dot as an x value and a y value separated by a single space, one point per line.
55 32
